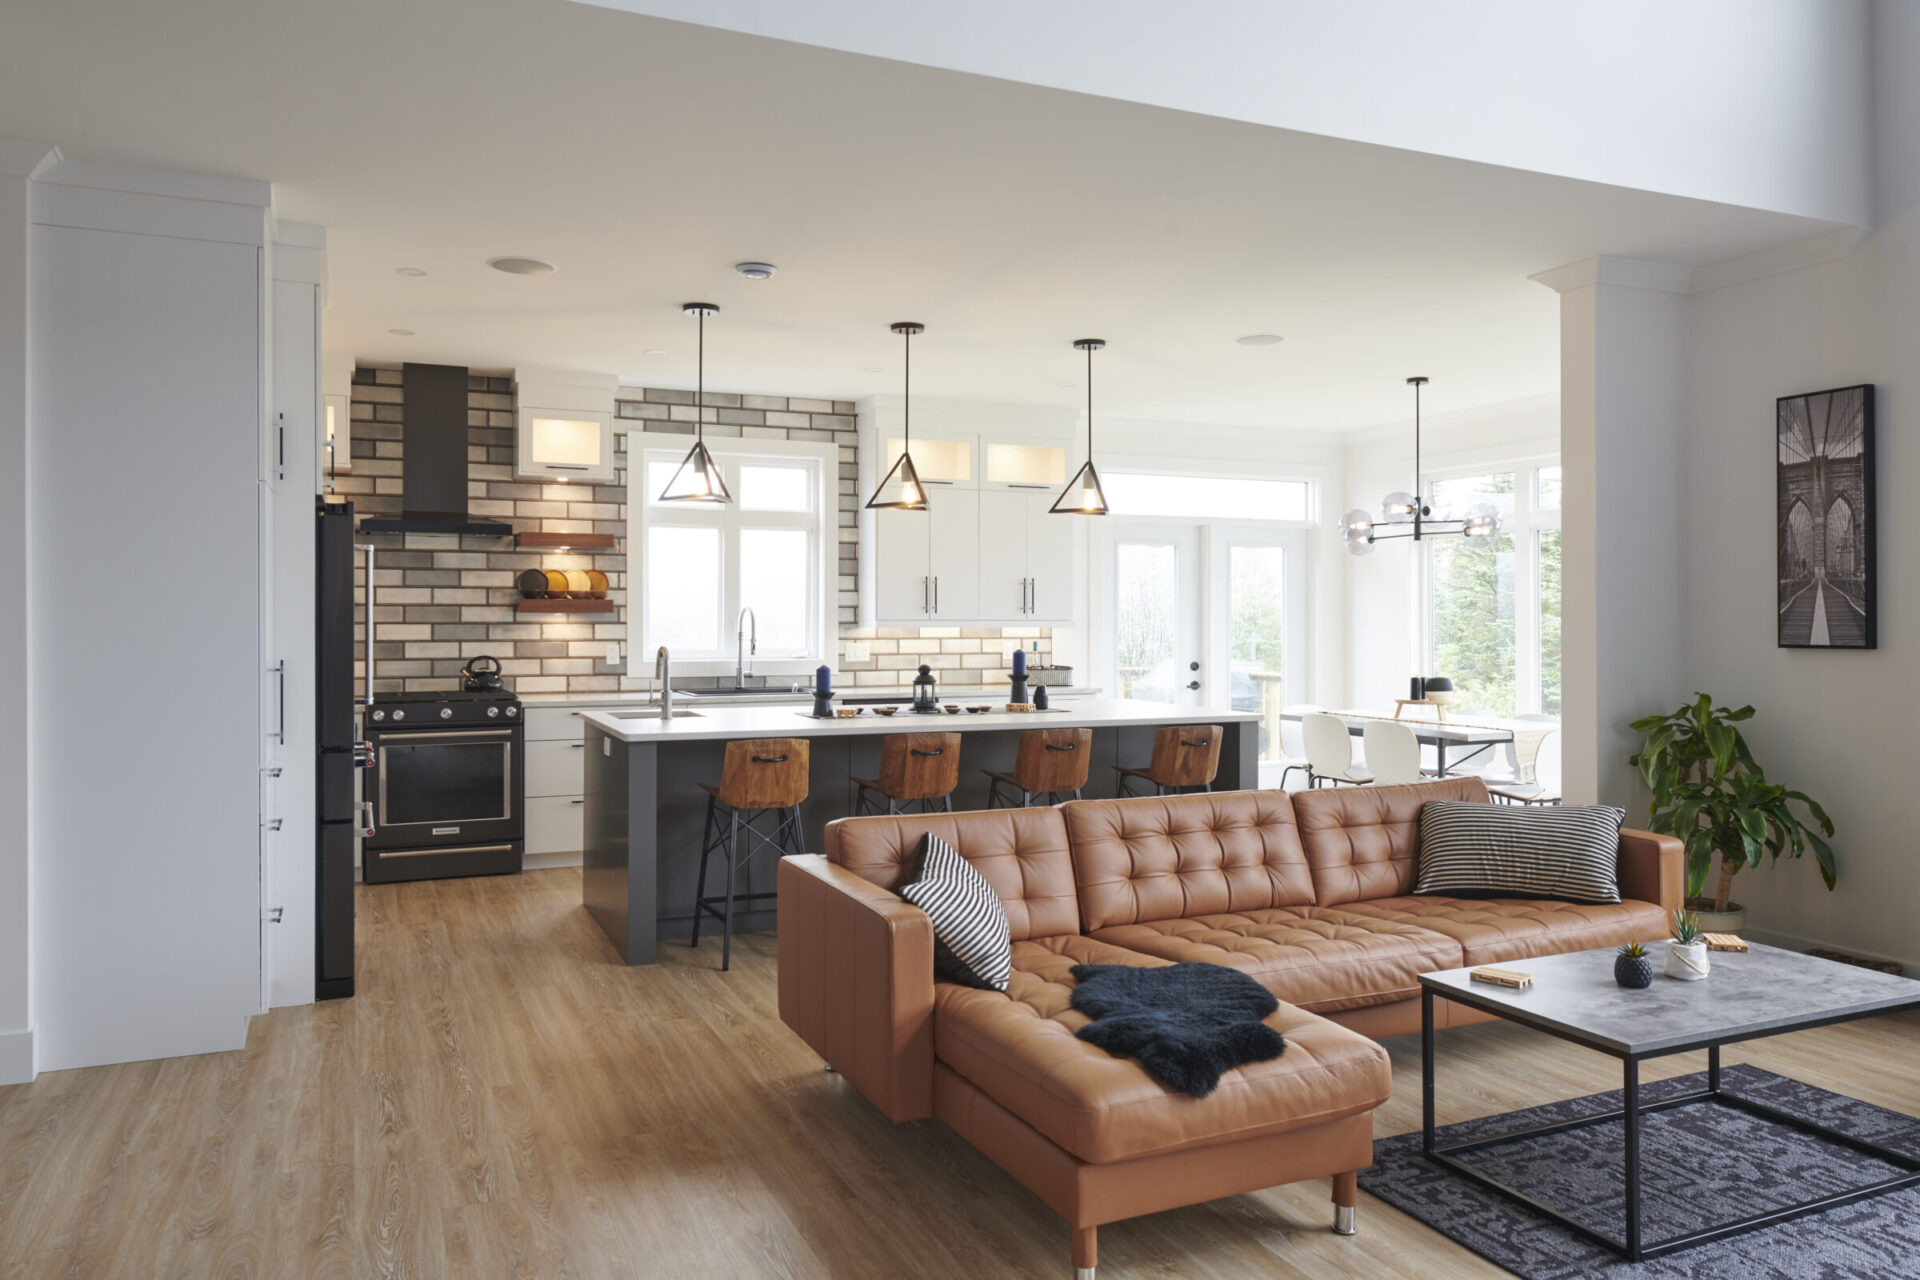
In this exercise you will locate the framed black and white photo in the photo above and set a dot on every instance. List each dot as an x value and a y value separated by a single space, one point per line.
1824 509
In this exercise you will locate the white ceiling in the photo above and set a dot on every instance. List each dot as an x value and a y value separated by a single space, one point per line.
645 157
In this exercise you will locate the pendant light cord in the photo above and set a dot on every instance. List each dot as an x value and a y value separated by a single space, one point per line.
1089 404
700 384
1419 497
906 394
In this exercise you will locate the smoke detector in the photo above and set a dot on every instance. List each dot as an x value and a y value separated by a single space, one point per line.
521 266
756 270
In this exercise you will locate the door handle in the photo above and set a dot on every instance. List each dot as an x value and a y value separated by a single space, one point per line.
926 595
280 672
936 593
1193 684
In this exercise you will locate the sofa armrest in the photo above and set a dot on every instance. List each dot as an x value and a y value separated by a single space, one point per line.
1653 868
856 982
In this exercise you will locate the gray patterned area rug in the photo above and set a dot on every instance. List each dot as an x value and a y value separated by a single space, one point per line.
1700 1164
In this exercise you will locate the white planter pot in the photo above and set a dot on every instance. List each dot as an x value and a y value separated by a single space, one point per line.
1687 963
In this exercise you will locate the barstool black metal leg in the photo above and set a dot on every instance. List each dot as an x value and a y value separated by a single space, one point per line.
700 885
733 873
799 833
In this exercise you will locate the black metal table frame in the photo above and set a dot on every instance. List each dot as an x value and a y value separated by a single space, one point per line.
1634 1248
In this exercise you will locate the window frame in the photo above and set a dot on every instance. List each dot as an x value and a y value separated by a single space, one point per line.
645 513
1525 525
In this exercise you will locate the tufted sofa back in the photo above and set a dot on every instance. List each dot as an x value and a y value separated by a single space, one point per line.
1364 842
1022 853
1168 857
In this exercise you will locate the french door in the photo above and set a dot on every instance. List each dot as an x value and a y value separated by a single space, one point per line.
1207 615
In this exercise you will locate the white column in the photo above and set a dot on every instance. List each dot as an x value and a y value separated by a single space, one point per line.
19 161
1621 333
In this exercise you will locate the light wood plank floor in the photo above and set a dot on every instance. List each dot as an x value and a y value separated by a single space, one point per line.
503 1099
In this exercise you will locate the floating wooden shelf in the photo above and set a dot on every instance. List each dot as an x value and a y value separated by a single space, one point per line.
564 541
567 606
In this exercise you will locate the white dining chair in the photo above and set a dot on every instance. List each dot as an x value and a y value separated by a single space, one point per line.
1330 751
1520 760
1545 787
1393 752
1293 746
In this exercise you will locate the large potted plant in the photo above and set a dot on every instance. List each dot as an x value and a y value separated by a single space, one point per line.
1710 792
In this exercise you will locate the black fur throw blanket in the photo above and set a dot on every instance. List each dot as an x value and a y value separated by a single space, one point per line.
1184 1023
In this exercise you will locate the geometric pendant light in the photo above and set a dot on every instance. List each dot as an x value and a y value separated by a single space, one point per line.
900 489
698 478
1084 495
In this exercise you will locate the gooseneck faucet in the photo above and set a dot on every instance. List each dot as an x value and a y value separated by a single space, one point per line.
663 672
746 643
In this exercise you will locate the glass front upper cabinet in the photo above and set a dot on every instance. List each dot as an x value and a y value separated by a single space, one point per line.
565 428
1025 466
938 461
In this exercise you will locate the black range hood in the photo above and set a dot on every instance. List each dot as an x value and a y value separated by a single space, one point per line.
433 465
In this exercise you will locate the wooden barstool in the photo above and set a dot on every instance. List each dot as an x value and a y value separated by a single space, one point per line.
913 766
760 778
1185 758
1052 763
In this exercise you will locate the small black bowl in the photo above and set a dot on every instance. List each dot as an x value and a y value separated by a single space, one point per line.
532 584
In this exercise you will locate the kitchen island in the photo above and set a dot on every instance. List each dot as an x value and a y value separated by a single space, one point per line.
645 811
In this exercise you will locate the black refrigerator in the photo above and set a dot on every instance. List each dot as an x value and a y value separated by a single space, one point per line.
340 752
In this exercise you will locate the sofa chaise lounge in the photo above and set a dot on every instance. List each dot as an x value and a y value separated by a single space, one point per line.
1310 893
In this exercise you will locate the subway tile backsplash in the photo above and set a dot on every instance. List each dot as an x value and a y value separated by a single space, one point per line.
441 599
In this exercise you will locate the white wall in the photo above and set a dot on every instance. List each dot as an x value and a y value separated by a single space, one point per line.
1750 102
1838 725
144 463
18 163
1382 620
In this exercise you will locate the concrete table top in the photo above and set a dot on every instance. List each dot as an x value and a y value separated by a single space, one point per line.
1761 992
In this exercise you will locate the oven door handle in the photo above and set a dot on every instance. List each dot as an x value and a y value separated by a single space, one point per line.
415 735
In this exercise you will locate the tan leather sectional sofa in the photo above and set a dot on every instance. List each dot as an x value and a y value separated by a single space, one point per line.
1309 892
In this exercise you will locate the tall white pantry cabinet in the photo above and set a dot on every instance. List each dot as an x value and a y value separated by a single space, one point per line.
173 398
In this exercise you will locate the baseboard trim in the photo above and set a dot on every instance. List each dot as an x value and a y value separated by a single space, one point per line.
1794 942
16 1056
543 861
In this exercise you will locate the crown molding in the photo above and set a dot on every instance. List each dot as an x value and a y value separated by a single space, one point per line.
1630 273
23 159
133 180
1809 251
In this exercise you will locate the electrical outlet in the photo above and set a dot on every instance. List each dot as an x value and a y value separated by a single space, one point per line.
857 650
613 653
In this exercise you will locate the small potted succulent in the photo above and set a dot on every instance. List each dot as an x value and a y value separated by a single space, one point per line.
1686 951
1632 968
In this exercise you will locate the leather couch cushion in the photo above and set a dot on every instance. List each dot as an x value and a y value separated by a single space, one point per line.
1495 930
1022 853
1161 858
1321 959
1364 842
1020 1049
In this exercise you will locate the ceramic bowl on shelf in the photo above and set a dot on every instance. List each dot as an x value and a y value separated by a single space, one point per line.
556 584
598 584
531 584
579 585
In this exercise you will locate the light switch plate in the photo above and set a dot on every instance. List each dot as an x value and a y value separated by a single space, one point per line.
606 746
857 650
613 653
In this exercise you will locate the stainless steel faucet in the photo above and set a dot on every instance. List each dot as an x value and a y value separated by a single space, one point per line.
746 643
663 672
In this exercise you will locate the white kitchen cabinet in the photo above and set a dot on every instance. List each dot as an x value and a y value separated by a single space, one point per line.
565 426
1026 558
954 554
556 824
903 573
946 462
1016 464
554 767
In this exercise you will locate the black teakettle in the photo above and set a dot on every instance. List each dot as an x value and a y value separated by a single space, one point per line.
481 673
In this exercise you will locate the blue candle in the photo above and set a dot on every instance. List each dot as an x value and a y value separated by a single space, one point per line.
823 680
1019 662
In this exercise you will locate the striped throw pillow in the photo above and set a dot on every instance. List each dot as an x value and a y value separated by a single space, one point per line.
971 940
1570 853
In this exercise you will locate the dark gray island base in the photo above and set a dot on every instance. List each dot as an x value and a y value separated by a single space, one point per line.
645 811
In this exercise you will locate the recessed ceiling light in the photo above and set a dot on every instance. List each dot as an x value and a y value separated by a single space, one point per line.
401 333
873 368
655 352
1259 339
756 270
521 266
408 271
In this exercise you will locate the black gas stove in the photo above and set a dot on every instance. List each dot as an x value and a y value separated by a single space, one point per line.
446 785
446 706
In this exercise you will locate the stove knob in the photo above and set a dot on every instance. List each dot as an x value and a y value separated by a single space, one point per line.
512 712
399 715
446 713
492 712
379 715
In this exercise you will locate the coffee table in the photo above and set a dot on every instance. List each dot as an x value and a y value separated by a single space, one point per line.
1763 992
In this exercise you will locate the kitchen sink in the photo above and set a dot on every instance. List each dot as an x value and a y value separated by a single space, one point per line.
737 692
650 714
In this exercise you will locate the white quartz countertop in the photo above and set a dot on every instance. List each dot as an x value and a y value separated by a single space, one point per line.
784 696
712 723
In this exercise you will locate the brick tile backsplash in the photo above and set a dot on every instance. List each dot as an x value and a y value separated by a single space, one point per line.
442 599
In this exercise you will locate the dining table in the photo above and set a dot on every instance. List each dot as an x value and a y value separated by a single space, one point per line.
1468 737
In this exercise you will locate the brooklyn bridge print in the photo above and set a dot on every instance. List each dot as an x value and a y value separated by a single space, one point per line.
1825 514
